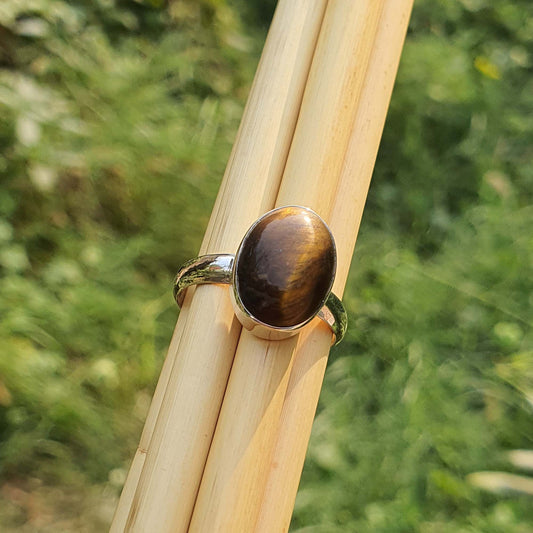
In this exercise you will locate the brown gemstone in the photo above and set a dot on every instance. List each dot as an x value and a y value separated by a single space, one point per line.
285 267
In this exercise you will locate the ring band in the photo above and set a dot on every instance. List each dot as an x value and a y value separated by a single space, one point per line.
281 275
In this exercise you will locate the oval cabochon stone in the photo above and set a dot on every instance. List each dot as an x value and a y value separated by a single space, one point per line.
285 267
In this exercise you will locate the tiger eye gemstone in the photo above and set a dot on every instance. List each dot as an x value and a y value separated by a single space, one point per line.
285 267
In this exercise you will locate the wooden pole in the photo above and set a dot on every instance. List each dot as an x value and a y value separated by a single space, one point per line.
236 473
310 364
257 453
161 487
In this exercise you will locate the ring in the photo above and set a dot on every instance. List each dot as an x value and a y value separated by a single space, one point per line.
281 275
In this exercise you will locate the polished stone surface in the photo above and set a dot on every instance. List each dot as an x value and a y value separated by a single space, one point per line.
285 267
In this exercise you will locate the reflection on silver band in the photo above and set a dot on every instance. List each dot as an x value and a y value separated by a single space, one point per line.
218 268
212 268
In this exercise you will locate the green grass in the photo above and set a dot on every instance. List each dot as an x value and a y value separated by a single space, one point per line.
116 122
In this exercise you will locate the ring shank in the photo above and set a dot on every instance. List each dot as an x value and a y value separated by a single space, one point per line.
212 268
218 268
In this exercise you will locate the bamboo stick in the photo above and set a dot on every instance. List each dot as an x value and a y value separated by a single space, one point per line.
128 491
161 486
231 492
309 366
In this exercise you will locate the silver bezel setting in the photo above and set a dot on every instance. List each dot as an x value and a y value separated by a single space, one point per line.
247 319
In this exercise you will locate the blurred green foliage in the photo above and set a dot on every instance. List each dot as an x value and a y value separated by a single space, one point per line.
116 121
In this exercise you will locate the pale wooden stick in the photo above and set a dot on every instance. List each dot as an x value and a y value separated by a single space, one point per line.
230 496
128 491
161 486
309 366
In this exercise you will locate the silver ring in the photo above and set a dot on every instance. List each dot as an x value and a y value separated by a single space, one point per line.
281 275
